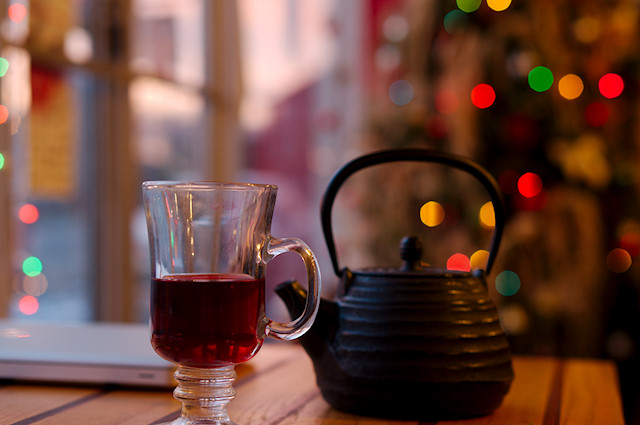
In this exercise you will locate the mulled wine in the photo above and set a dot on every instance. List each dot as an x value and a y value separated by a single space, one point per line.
207 320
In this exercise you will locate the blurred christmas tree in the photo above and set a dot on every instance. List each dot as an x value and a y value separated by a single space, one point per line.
544 94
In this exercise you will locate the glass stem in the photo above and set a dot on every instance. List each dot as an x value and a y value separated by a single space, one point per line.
204 394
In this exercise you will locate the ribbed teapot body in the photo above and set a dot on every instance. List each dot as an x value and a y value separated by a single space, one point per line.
431 347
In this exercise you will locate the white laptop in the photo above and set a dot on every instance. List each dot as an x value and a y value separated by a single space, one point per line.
91 353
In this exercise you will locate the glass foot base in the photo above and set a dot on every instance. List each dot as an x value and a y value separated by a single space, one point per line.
205 394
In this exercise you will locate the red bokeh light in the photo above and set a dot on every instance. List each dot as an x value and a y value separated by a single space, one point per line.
28 305
483 96
508 181
446 102
597 114
459 262
28 214
529 185
17 12
611 85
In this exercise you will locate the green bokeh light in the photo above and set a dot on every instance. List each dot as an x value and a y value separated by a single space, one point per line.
507 283
540 78
468 6
1 161
4 66
454 21
32 266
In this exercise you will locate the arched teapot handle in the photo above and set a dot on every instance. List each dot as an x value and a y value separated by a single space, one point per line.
421 155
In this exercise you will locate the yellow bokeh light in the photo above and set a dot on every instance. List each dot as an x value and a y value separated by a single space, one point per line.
570 86
479 259
432 214
487 215
587 29
499 5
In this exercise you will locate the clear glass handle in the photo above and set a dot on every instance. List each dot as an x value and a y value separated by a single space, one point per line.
296 328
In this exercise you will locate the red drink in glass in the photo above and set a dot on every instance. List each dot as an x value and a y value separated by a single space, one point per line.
207 320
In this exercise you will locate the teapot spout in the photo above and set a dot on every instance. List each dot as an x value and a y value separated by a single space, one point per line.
321 335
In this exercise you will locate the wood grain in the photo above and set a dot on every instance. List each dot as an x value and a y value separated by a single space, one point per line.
278 388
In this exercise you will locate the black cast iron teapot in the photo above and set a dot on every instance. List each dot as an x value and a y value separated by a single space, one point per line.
414 342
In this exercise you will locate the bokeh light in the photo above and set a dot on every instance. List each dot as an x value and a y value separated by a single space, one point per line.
611 85
487 215
32 266
587 29
514 319
570 86
17 12
28 305
459 262
446 102
596 114
395 28
499 5
28 214
4 66
468 6
618 260
35 285
1 161
4 114
455 20
78 45
540 78
432 214
507 283
529 185
479 259
401 92
483 96
508 181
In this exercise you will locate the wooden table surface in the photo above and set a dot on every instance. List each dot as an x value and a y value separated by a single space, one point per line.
278 387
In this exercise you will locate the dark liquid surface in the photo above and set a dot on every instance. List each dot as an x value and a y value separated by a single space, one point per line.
207 320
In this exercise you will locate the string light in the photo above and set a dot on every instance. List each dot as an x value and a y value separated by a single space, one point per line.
487 215
454 20
479 259
483 96
28 305
570 86
459 262
529 185
4 114
618 260
28 214
498 5
446 102
4 66
507 283
17 12
596 114
468 6
540 78
611 85
32 266
431 214
401 92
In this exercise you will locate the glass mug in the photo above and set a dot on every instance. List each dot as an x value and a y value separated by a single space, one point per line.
209 246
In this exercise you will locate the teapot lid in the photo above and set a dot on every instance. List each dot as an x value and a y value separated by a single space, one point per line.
411 255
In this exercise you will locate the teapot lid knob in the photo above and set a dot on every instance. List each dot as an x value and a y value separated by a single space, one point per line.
411 253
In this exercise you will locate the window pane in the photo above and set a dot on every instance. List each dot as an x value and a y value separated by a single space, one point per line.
168 39
52 254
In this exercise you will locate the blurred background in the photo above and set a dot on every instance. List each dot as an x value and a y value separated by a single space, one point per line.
98 96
